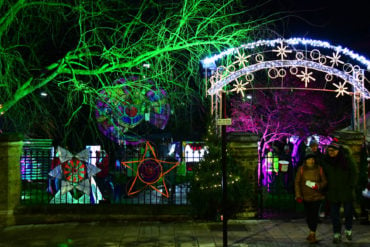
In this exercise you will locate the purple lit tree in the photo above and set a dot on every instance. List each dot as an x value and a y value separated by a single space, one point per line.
278 114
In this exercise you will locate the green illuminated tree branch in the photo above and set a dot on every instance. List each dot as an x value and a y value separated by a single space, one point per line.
72 50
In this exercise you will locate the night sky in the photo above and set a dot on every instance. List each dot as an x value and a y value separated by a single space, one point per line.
338 22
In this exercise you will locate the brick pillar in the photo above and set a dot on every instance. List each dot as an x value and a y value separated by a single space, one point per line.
10 180
355 141
244 149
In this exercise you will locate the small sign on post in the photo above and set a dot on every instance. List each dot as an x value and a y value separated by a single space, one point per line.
223 121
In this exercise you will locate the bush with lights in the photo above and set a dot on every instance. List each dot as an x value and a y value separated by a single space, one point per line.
206 185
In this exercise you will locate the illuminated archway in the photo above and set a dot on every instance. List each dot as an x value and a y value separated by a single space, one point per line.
344 70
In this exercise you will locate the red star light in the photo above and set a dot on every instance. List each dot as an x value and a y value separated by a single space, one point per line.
149 172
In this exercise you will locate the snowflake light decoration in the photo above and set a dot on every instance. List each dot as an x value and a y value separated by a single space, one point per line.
242 59
239 87
306 77
335 59
341 89
210 61
297 56
341 64
282 51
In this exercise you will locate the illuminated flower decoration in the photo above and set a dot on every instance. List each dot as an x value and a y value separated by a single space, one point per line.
123 107
149 171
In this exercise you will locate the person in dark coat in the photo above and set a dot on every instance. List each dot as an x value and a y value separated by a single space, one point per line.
342 172
314 146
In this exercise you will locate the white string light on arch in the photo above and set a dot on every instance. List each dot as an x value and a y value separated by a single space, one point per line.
297 56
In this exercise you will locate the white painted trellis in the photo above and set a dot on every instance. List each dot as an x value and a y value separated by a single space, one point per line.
344 70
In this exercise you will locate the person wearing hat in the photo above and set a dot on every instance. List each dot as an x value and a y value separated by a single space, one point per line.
309 182
342 173
314 146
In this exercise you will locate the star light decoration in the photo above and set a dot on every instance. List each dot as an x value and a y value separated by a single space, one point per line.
149 172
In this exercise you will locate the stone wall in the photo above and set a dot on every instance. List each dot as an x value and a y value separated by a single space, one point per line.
10 180
244 149
354 140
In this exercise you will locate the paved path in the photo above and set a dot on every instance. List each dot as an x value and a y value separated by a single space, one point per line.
241 233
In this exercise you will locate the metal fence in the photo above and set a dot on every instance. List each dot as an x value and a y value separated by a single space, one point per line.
46 181
34 167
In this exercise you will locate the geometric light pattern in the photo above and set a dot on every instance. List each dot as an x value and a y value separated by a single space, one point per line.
75 173
74 170
121 108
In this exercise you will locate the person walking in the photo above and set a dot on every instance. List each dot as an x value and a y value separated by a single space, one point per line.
309 181
342 173
319 156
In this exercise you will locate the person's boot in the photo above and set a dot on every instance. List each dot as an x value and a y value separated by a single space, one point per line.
311 238
348 234
337 238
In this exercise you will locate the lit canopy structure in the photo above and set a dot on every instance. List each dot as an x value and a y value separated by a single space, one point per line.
342 70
